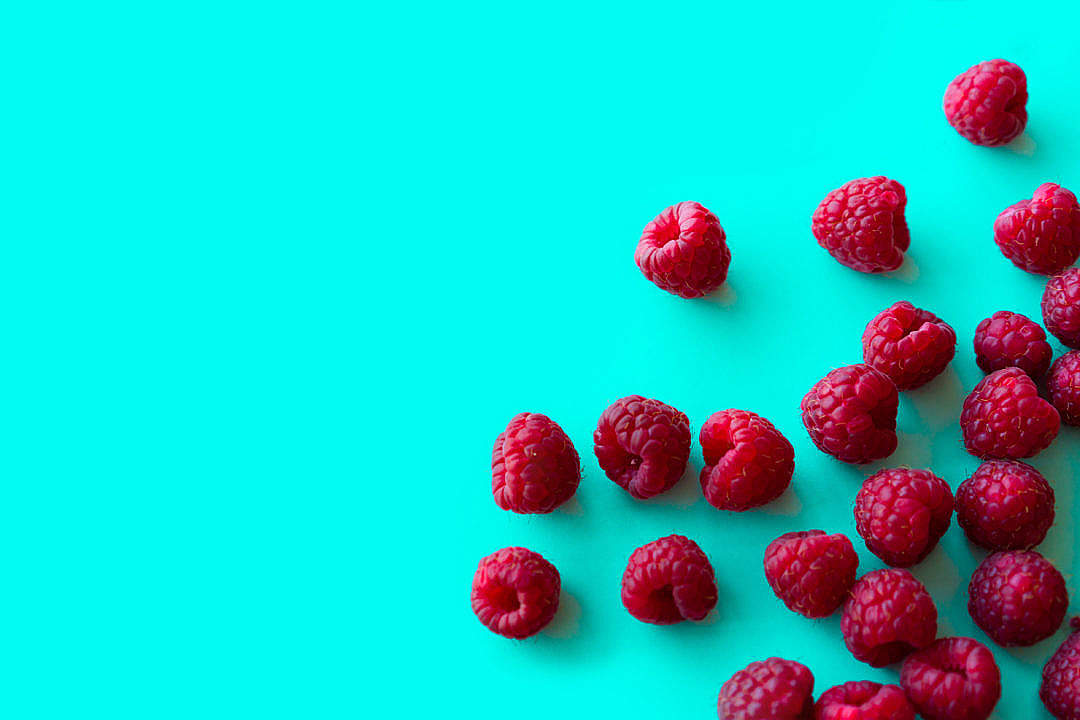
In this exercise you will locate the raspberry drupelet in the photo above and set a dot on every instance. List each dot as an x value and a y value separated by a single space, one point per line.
1004 417
953 679
1060 689
863 700
902 513
1064 387
1005 505
642 445
861 224
684 251
1017 597
910 345
810 571
888 615
1008 339
669 580
987 102
534 466
1061 307
515 592
773 689
1041 235
851 414
748 462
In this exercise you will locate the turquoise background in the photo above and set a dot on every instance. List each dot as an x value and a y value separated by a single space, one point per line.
276 276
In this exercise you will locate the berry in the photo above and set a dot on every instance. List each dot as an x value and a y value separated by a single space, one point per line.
810 571
902 513
1008 339
534 468
684 250
1065 387
747 461
851 414
669 580
888 615
1041 235
1060 689
864 700
986 102
1004 417
515 592
910 345
1061 307
862 224
774 689
642 445
1005 505
1017 597
953 679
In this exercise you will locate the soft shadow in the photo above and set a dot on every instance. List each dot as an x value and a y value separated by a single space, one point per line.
572 507
907 273
724 296
1022 144
686 492
938 402
567 618
912 450
787 504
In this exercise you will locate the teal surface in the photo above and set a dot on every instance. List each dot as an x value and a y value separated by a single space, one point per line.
276 276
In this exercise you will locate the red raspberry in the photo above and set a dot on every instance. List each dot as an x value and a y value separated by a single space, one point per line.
1005 505
910 345
1008 339
1041 235
1017 597
810 571
986 102
851 414
862 224
1004 417
953 679
864 700
1065 387
888 615
902 513
669 580
1061 307
515 592
747 461
642 445
683 250
774 689
1060 689
534 468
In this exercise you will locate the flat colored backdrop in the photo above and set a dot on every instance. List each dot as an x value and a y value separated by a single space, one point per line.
277 275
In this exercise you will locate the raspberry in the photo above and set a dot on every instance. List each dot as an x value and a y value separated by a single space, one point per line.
1065 387
683 250
862 224
953 679
810 571
910 345
1041 235
1005 505
986 102
902 513
1061 307
1008 339
534 467
888 615
1017 597
774 689
747 461
515 592
1004 417
669 580
642 445
864 700
1060 689
851 414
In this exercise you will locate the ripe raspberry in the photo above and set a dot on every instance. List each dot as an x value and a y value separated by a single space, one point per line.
851 414
1065 387
1060 689
910 345
515 592
747 461
888 615
1005 505
986 102
1061 307
669 580
953 679
1004 417
534 468
864 700
862 224
1041 235
1008 339
683 250
810 571
1017 597
774 689
902 513
642 445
